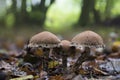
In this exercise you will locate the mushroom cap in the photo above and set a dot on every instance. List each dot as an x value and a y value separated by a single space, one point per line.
88 39
44 39
65 44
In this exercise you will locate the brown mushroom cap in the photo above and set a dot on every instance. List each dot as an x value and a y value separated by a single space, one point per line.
88 39
65 44
44 39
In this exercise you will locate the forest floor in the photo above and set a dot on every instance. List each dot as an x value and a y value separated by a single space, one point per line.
12 43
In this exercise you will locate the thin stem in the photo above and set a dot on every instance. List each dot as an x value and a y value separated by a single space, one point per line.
64 61
81 59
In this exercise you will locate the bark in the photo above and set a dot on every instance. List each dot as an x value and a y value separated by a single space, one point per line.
88 6
23 14
14 7
97 17
44 9
109 6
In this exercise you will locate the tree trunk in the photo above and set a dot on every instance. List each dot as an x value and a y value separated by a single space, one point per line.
97 18
42 5
96 13
44 9
14 7
109 5
88 6
23 7
23 12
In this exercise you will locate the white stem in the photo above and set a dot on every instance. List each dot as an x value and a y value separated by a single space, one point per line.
50 53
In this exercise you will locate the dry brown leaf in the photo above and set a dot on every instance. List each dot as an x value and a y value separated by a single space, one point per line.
57 77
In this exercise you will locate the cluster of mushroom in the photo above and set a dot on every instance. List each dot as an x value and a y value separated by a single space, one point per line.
47 43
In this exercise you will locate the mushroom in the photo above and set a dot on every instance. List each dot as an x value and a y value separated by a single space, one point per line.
45 41
65 45
87 40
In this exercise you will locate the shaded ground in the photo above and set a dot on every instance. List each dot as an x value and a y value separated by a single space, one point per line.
13 41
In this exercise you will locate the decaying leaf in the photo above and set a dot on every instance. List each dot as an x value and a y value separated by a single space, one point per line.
24 78
57 77
52 64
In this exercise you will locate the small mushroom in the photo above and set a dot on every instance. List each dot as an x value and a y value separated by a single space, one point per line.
65 45
88 40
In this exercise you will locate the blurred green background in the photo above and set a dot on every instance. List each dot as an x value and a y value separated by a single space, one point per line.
62 17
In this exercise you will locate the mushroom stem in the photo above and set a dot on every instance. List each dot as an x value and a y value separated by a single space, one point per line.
50 53
45 59
64 61
81 59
